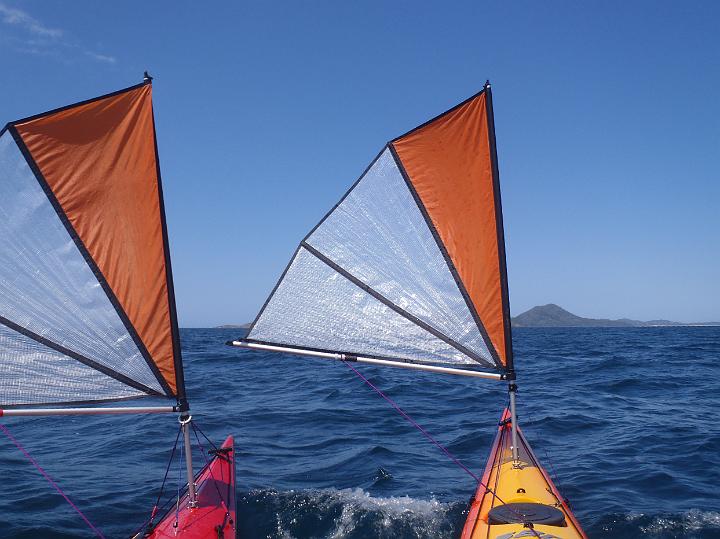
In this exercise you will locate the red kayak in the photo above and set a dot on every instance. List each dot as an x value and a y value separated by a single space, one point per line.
214 515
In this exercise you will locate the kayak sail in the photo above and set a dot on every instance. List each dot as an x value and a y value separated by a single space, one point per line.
409 266
87 305
87 310
408 270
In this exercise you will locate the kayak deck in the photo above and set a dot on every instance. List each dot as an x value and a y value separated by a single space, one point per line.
214 516
518 495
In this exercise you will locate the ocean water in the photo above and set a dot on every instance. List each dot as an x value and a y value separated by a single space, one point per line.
625 420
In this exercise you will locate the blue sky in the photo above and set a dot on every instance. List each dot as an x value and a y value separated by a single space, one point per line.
607 119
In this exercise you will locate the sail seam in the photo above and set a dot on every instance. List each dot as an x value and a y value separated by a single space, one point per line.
78 357
446 256
175 331
399 310
88 259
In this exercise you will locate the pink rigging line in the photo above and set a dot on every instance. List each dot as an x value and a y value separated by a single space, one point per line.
53 483
415 424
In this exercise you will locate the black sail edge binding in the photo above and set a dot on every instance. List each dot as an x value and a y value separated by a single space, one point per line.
174 329
510 367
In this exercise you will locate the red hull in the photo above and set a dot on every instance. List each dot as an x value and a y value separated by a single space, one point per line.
214 516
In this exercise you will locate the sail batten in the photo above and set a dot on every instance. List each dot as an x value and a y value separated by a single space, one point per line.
412 254
83 232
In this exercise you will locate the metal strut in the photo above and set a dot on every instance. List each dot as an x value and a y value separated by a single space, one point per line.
185 420
512 389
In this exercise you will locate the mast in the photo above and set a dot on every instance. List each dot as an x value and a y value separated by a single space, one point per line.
183 405
512 386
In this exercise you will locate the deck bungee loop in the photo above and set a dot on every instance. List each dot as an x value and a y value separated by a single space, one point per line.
50 480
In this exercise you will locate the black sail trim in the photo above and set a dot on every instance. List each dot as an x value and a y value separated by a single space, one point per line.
431 120
399 310
277 284
347 193
79 103
509 365
89 260
448 260
174 329
79 357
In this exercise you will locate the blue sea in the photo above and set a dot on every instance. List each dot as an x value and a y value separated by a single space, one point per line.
625 420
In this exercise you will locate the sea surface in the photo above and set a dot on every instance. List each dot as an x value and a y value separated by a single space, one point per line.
626 420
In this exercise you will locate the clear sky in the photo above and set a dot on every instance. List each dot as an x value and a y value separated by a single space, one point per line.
607 118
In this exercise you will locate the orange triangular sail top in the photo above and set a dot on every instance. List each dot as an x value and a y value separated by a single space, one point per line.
450 163
99 162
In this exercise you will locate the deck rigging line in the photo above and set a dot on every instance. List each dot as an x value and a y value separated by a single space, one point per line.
49 479
434 441
149 523
212 477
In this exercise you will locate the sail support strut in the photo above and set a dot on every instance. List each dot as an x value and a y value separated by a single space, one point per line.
30 412
367 360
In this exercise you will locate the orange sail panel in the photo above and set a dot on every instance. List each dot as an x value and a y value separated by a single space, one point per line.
99 160
449 162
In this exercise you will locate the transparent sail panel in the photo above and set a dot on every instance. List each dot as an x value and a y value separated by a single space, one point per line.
378 235
45 284
316 307
31 373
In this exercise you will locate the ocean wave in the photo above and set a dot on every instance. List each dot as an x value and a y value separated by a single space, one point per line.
347 514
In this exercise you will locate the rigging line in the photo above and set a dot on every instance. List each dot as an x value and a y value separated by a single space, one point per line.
167 472
437 444
147 525
49 479
416 425
195 426
212 477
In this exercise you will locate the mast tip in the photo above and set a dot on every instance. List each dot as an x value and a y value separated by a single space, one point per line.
487 83
146 77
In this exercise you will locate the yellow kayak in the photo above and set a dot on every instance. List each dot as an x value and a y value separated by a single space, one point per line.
518 499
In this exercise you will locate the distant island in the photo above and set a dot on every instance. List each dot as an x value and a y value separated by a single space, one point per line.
554 316
234 326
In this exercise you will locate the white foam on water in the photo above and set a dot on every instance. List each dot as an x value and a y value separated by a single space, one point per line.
359 509
692 521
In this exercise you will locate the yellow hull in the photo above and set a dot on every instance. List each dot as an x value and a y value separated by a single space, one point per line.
518 499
